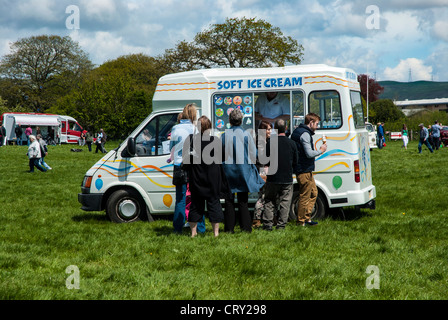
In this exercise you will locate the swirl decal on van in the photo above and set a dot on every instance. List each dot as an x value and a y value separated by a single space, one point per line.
118 172
336 152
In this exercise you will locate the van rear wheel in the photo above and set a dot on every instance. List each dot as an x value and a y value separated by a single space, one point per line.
125 206
320 210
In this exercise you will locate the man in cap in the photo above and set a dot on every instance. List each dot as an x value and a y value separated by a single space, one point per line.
424 135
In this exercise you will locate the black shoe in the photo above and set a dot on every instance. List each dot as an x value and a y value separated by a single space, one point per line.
311 223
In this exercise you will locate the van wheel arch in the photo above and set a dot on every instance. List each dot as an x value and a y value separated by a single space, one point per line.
125 204
321 209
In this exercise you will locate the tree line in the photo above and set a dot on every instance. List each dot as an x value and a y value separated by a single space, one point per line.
52 74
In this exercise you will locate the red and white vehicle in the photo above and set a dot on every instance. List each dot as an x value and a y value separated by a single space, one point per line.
62 129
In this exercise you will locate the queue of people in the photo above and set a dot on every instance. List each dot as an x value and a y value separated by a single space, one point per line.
233 167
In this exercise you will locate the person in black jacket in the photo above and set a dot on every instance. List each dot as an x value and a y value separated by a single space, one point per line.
279 182
303 136
19 132
206 177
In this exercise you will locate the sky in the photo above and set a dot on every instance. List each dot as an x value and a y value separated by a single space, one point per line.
398 40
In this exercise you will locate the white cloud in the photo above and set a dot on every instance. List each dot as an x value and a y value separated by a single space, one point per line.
440 30
102 10
38 10
419 71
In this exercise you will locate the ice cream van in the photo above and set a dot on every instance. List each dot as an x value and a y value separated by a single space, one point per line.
134 181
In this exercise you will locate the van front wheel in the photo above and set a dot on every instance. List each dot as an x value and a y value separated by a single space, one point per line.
125 206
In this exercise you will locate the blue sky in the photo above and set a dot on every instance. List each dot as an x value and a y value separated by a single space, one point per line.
384 38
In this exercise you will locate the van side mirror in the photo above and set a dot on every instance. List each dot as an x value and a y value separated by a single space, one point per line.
130 148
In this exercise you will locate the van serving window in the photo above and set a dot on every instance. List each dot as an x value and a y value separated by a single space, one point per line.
288 103
326 104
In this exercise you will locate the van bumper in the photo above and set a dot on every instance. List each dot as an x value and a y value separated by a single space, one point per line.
364 198
90 201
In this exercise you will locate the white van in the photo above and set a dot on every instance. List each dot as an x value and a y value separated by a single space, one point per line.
135 180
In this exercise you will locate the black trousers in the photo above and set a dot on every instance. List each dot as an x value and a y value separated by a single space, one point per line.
197 209
34 162
244 218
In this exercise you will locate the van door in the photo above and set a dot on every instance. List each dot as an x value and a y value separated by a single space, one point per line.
149 167
365 168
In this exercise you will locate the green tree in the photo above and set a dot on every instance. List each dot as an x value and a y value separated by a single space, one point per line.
42 69
385 110
239 42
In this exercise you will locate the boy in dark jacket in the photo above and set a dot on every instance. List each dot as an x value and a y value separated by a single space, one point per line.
279 182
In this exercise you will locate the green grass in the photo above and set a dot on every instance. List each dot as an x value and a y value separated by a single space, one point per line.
43 231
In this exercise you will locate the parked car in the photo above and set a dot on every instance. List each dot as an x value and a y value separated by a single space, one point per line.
371 129
444 135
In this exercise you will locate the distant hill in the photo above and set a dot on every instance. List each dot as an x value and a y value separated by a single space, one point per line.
413 90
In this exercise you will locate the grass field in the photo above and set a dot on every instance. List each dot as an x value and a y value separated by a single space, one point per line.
43 231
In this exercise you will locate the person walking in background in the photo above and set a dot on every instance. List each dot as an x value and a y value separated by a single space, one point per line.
206 179
279 183
34 154
179 134
404 136
2 134
424 135
101 141
89 140
19 132
430 136
82 138
436 135
303 136
28 132
380 135
240 154
43 151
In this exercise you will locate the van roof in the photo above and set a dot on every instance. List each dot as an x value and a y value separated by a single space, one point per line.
298 70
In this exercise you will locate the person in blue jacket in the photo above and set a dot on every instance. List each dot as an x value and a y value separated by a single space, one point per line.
239 154
380 135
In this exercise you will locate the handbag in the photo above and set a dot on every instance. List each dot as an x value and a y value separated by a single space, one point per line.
180 176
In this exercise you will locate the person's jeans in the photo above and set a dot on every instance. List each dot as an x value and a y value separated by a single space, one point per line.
44 164
426 143
179 211
380 142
